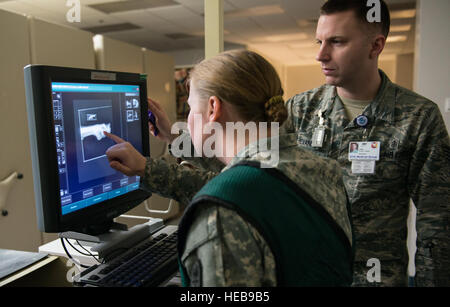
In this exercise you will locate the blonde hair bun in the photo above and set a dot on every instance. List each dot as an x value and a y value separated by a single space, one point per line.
245 80
275 109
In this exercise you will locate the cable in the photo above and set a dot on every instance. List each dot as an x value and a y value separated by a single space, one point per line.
70 256
88 253
85 254
91 254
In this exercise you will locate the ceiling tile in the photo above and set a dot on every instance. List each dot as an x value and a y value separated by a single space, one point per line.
302 9
243 26
19 7
276 23
148 20
181 17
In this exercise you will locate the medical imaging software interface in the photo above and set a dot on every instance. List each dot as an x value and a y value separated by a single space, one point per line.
81 112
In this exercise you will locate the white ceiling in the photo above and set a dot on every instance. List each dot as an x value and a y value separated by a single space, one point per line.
281 29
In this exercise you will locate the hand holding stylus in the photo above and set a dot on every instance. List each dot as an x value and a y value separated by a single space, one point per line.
163 123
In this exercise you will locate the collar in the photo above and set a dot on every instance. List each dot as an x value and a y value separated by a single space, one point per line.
382 107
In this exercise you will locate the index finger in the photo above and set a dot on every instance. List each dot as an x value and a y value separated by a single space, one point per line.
114 137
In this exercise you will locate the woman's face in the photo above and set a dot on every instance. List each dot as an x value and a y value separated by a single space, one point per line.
197 117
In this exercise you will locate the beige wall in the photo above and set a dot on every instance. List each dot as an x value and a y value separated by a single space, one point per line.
389 68
115 55
58 45
302 78
18 230
405 70
432 77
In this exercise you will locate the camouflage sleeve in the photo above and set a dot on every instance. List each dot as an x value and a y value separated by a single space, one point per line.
288 125
224 250
429 187
169 179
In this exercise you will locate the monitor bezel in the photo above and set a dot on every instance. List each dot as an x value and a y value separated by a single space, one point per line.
103 212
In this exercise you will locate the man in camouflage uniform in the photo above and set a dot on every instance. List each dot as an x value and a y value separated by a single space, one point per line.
414 162
414 159
414 154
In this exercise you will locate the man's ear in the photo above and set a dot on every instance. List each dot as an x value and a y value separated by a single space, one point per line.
378 44
214 108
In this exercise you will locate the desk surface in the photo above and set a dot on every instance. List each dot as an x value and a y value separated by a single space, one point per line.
12 261
15 265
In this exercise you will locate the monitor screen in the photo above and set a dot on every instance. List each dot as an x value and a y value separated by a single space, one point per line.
72 175
81 112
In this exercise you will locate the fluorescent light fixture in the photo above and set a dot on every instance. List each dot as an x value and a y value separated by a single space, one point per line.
286 37
396 39
401 28
403 14
256 11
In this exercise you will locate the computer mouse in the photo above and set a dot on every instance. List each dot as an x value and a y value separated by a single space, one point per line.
152 119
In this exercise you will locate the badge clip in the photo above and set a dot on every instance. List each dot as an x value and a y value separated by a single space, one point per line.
319 132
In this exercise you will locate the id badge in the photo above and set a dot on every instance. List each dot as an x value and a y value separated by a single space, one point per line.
363 156
318 137
364 151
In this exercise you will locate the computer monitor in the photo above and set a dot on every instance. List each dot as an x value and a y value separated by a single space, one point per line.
68 110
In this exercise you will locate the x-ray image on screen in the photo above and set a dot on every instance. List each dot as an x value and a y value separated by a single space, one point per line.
93 121
92 117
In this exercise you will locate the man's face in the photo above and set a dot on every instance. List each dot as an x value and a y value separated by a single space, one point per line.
344 48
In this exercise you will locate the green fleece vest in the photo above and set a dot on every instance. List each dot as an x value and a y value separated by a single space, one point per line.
309 247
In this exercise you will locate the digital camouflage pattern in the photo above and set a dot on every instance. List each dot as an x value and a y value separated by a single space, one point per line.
169 179
414 163
228 249
222 249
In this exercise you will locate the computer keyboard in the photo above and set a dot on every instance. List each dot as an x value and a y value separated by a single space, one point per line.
150 263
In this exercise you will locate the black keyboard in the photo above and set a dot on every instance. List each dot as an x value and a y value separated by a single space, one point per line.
148 264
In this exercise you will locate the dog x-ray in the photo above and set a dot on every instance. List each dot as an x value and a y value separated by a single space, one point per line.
93 121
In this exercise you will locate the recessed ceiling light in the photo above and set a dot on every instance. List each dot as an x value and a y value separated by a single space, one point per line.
396 39
112 28
403 14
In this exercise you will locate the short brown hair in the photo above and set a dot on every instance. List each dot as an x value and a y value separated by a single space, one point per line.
245 80
361 9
